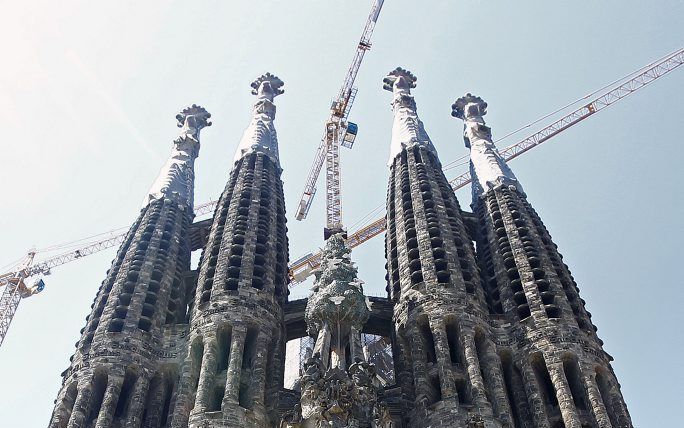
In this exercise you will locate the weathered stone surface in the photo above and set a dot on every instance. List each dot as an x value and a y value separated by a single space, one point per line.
488 338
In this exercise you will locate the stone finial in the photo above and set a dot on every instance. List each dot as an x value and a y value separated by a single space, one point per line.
197 114
401 78
260 135
177 177
267 85
407 129
469 106
191 121
488 168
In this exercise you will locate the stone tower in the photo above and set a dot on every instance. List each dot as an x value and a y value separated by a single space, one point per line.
445 360
484 321
556 373
118 358
234 362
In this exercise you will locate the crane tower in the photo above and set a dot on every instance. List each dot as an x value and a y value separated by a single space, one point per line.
338 132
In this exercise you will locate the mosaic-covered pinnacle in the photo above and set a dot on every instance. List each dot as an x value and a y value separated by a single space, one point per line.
407 129
176 180
260 135
487 167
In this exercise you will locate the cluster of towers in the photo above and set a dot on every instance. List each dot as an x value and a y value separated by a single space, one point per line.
485 322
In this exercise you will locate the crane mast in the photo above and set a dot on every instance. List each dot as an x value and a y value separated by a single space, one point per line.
338 132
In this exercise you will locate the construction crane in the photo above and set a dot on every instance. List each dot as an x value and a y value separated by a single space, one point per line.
15 282
15 290
302 268
338 132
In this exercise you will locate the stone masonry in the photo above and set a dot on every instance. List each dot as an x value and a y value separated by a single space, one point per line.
486 325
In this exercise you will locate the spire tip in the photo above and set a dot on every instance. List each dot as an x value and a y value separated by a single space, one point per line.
199 114
468 106
400 77
271 80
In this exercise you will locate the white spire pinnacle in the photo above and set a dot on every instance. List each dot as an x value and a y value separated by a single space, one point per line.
487 168
407 129
260 135
177 177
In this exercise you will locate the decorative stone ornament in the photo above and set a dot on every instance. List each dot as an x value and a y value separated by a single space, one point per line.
407 129
487 167
177 176
260 135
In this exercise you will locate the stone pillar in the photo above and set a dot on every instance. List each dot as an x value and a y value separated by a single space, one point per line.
355 344
534 398
60 417
419 365
207 374
109 401
155 403
234 371
494 374
474 374
564 395
322 345
519 399
138 399
81 405
259 374
618 404
184 402
595 399
446 377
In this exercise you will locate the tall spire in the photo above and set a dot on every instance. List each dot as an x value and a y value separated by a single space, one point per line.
407 129
260 135
177 177
487 168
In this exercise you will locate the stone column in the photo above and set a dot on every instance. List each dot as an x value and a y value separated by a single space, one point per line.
493 371
443 359
109 401
355 344
259 374
81 405
207 374
322 345
419 365
138 399
595 399
519 399
155 405
618 404
564 395
183 403
534 398
474 374
60 417
234 371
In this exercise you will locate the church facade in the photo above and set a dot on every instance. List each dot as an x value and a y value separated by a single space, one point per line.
483 323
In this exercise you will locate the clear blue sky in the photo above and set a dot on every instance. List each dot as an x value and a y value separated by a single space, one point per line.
89 91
